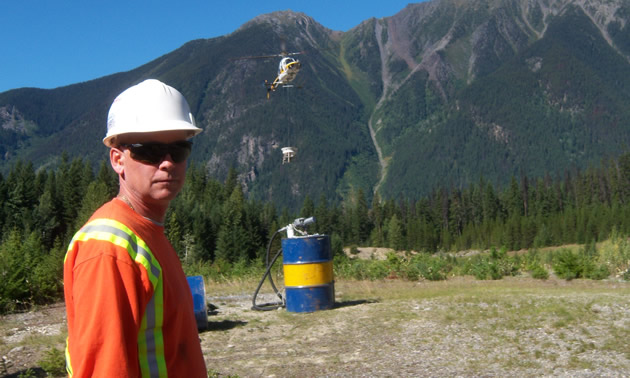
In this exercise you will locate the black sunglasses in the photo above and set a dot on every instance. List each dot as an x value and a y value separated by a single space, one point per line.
154 153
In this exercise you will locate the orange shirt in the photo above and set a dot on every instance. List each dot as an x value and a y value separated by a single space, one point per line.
129 307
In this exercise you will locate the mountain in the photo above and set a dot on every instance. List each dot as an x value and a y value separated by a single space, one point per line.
438 95
501 88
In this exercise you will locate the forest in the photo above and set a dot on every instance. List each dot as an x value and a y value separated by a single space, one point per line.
215 228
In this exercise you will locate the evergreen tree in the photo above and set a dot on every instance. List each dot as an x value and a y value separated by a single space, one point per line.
414 234
334 217
203 234
543 204
456 213
395 235
377 236
513 234
96 194
308 207
476 202
3 200
269 218
348 231
491 204
107 176
22 197
86 177
196 180
47 212
443 202
230 183
256 235
525 194
324 224
232 243
71 192
514 199
174 235
47 275
616 191
360 219
528 232
14 273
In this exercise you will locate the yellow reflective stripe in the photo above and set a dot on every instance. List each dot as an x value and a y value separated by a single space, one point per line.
68 362
308 274
150 337
120 235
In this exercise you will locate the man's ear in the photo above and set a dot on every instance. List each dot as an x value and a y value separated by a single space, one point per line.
117 160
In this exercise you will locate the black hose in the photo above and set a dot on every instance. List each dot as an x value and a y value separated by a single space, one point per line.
272 305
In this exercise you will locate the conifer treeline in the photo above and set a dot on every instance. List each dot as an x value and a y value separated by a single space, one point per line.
212 221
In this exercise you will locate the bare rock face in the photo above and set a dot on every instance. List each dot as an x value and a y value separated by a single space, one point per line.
12 119
455 39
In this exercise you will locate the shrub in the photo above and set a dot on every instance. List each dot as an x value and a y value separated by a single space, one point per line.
538 271
377 270
495 266
483 268
362 269
598 273
394 262
615 253
567 264
583 264
428 267
54 362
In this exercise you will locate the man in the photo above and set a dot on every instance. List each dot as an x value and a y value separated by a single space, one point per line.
129 307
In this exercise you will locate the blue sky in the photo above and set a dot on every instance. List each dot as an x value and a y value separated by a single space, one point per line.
52 43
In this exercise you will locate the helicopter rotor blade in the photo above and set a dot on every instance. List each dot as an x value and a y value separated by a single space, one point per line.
257 57
282 55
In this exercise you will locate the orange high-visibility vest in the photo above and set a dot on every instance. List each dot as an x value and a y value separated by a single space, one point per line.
129 307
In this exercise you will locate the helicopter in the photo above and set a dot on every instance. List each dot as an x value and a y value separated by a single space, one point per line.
288 69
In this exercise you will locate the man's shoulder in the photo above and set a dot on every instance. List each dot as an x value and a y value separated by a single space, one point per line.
109 209
108 219
108 232
114 211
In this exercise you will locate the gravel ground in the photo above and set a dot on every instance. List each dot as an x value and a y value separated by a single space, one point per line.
517 327
459 328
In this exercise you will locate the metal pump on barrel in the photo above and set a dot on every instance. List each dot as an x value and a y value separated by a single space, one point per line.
307 267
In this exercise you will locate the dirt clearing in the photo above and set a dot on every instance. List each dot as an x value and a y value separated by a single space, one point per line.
460 327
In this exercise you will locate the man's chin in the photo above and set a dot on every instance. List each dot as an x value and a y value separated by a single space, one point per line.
165 195
166 190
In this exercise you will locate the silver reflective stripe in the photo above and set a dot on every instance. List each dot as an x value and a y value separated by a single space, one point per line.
149 335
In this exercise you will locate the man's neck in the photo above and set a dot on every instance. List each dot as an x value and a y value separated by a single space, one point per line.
155 213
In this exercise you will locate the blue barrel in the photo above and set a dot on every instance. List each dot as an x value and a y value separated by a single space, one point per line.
308 273
198 291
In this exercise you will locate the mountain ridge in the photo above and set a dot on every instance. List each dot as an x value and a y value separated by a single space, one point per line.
400 105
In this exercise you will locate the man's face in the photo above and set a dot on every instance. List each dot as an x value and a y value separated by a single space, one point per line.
152 183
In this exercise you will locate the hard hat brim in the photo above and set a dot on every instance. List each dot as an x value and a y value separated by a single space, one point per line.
174 125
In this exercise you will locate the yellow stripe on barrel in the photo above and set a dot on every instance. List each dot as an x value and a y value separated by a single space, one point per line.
297 275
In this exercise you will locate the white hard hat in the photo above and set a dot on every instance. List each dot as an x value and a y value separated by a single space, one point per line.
148 107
